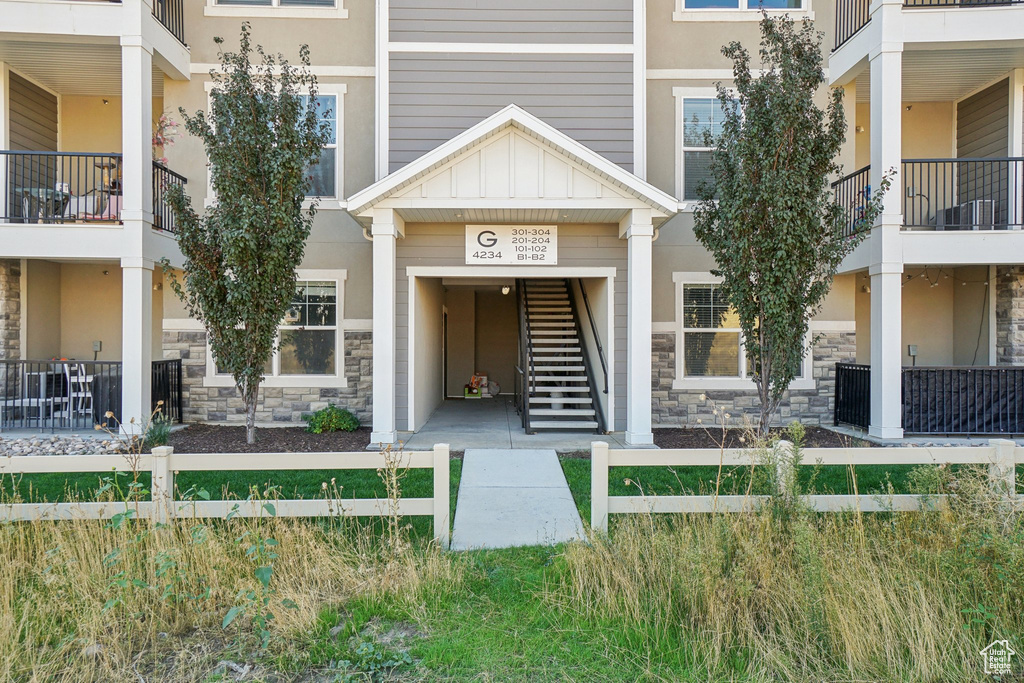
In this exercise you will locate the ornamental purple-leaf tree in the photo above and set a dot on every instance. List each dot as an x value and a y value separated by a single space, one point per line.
768 215
261 136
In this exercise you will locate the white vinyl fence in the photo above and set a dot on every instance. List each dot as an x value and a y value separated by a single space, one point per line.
1000 455
163 463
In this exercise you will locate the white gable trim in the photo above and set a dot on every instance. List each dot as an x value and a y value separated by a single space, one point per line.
636 191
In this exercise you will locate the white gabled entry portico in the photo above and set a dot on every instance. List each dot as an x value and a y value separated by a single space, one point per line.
512 168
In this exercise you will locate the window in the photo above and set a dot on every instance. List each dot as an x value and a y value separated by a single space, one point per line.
325 172
741 4
308 350
279 3
709 346
278 9
700 115
711 333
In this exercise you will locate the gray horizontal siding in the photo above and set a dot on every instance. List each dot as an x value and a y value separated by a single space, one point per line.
523 21
33 117
982 123
434 97
445 245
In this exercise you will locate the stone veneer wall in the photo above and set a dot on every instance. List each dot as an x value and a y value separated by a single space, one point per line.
1010 315
277 404
10 309
685 407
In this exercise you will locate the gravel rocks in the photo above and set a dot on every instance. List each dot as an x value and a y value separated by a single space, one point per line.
47 444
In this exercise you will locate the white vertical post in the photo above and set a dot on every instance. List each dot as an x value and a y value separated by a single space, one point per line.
785 470
136 134
387 227
162 486
638 230
1002 471
442 494
136 343
886 270
5 140
599 486
1015 147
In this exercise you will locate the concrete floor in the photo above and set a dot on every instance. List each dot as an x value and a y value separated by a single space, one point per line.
493 423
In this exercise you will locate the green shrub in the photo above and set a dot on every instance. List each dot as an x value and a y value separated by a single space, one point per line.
331 419
158 432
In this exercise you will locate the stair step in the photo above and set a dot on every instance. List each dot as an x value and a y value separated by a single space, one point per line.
560 389
541 323
560 399
548 358
558 368
554 333
552 351
563 424
567 412
550 316
547 341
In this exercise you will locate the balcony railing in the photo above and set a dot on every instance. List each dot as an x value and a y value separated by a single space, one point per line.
963 194
74 187
960 3
853 192
163 179
939 400
77 395
851 16
171 14
60 187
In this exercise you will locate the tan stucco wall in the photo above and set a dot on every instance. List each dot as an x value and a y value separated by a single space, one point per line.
42 310
971 316
496 342
927 131
461 305
428 366
88 125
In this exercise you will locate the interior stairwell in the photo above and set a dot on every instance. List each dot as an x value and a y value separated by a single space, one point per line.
557 389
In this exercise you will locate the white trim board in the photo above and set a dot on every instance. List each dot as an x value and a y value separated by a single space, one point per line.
517 48
317 70
511 271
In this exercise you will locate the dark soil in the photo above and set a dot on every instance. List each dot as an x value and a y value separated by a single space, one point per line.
202 438
817 437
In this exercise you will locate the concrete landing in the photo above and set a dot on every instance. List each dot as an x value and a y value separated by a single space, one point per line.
512 497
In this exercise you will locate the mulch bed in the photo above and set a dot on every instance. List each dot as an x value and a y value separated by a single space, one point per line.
817 437
200 438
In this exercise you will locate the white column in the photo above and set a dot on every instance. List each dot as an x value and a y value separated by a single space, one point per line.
387 227
136 341
886 63
136 138
639 233
1015 147
5 139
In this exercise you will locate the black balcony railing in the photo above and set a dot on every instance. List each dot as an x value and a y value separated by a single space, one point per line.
960 3
163 179
77 395
963 194
940 400
60 187
853 192
171 14
851 16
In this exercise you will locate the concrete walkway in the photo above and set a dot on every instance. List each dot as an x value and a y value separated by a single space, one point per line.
493 423
510 498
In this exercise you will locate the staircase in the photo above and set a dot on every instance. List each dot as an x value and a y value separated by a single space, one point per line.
558 391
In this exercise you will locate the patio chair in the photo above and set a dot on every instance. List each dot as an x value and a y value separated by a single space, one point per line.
111 210
77 400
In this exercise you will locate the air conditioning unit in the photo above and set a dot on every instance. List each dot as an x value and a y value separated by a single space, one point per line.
979 214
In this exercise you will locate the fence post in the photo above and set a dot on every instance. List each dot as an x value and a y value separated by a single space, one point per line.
442 494
1002 471
784 470
599 486
162 485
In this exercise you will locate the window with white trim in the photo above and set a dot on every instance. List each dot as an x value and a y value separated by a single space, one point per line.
700 115
308 350
324 173
741 4
279 9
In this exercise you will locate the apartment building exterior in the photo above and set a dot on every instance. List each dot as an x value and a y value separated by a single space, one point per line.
509 191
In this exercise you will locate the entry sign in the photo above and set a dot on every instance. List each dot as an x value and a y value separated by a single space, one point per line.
526 245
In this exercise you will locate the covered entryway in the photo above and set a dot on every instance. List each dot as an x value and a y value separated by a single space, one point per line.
509 171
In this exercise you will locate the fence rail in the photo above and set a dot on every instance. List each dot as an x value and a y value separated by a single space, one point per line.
171 13
853 192
163 179
163 463
960 3
1000 456
851 16
963 194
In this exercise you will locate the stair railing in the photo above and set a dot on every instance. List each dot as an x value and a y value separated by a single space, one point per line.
525 356
602 425
597 336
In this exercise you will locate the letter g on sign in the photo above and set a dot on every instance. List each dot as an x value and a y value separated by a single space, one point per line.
487 239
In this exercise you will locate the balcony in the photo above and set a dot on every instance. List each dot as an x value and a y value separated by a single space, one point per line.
64 188
945 195
853 15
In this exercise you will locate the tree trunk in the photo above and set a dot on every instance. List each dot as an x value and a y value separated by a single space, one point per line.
251 396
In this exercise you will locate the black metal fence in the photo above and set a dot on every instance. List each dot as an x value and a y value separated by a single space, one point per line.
963 194
166 387
853 192
52 395
163 179
171 13
959 3
60 187
976 400
851 16
853 395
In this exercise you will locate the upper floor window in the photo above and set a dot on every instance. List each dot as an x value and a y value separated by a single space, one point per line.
700 115
742 4
742 10
325 172
282 9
